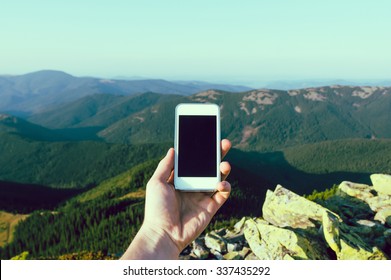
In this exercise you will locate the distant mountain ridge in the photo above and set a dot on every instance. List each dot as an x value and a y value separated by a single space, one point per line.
256 120
310 83
33 92
271 119
98 110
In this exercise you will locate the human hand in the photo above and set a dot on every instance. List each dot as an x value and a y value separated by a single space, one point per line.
172 218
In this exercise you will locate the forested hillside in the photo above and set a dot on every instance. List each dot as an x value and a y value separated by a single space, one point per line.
69 164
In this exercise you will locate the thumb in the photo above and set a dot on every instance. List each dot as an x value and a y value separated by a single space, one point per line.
165 167
221 195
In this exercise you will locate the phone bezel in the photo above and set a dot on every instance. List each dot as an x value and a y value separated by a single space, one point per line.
204 184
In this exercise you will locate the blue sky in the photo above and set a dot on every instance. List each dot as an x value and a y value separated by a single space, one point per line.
206 40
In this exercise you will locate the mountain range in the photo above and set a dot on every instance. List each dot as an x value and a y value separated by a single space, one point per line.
253 120
291 134
297 84
33 92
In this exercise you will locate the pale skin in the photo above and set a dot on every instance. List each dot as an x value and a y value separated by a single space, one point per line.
173 219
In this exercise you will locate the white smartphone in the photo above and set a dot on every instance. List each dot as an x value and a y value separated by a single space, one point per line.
197 147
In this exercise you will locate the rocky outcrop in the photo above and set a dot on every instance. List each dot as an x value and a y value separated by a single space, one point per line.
352 224
346 243
284 208
269 242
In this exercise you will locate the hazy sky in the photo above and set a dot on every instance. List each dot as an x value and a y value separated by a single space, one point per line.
210 40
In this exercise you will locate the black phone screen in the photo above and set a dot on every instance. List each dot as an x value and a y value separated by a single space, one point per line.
197 146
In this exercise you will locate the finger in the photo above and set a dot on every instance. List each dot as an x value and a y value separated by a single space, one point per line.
221 195
170 179
165 167
225 146
225 169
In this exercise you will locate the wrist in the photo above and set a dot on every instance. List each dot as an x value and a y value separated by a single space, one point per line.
152 243
160 242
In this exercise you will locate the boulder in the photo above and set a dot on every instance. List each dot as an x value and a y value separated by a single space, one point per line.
269 242
253 238
233 247
233 256
384 216
221 232
372 196
284 208
239 225
366 223
251 257
359 191
352 224
199 250
349 252
330 225
381 183
215 242
234 240
233 237
217 254
345 243
349 208
379 202
245 252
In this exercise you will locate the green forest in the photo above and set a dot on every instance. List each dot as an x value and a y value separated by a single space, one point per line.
69 164
100 220
99 225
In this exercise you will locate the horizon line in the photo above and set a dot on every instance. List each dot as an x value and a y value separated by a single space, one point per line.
245 81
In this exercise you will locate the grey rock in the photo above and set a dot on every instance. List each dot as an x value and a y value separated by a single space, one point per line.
217 254
354 224
251 257
233 256
345 243
199 249
269 242
284 208
381 183
383 215
215 242
239 225
233 247
359 191
379 202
